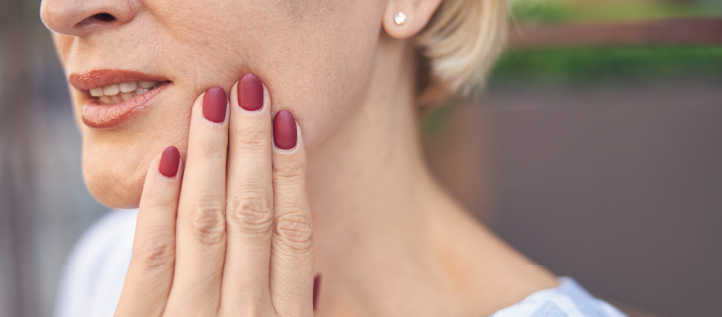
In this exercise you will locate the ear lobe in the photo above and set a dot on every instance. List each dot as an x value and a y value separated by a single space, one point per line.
417 12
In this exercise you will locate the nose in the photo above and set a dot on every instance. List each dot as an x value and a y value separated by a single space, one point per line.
82 17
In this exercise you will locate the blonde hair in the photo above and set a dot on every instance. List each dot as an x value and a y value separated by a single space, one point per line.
459 47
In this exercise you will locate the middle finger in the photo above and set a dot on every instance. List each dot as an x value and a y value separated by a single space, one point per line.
250 198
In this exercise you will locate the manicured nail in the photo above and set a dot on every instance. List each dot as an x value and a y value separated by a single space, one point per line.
214 105
169 162
284 130
316 289
250 93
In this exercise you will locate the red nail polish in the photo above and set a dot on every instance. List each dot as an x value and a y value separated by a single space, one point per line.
284 130
250 93
214 105
169 162
316 289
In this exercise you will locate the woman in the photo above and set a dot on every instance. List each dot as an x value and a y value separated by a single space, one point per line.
272 150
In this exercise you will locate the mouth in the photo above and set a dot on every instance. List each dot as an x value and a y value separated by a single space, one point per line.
113 96
117 93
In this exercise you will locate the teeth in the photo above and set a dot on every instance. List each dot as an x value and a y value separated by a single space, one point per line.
117 93
111 90
147 84
127 95
128 87
96 92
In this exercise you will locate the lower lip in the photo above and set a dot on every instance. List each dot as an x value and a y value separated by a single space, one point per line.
98 115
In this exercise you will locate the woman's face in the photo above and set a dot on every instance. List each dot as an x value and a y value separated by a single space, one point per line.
314 56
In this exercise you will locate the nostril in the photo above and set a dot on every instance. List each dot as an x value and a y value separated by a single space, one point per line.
97 18
105 17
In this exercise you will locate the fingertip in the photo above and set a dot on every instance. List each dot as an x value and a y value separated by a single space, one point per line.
215 104
316 290
169 162
250 92
285 130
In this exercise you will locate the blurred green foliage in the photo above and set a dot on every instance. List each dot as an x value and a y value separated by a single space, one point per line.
569 65
593 64
532 12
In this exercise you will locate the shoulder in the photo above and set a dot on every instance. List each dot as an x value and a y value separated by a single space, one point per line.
567 300
94 273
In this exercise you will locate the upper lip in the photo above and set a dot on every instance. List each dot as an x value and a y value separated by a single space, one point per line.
104 77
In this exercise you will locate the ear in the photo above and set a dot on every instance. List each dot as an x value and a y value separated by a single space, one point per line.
417 12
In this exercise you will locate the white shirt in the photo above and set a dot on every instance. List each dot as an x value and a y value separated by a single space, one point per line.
94 275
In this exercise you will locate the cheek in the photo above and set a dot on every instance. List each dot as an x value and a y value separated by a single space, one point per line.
317 67
322 96
314 56
322 78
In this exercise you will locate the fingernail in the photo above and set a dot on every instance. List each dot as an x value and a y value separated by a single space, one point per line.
316 289
250 93
214 105
284 130
169 162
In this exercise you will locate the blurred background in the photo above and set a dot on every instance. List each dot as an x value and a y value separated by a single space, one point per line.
596 150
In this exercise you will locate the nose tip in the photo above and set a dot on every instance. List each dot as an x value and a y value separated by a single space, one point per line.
81 17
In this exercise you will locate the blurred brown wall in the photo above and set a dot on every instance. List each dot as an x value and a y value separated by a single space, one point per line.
618 186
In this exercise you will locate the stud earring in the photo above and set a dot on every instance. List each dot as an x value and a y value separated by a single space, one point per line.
400 18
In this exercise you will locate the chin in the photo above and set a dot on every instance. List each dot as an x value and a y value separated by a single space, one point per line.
116 185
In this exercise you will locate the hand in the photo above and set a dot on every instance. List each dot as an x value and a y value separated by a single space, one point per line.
227 232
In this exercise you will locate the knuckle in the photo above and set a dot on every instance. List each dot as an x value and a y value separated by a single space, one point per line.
158 203
251 215
211 147
207 224
252 137
295 231
155 252
290 173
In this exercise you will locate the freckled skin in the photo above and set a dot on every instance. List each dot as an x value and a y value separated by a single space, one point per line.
314 57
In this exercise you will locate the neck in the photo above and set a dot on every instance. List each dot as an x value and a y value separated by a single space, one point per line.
385 232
